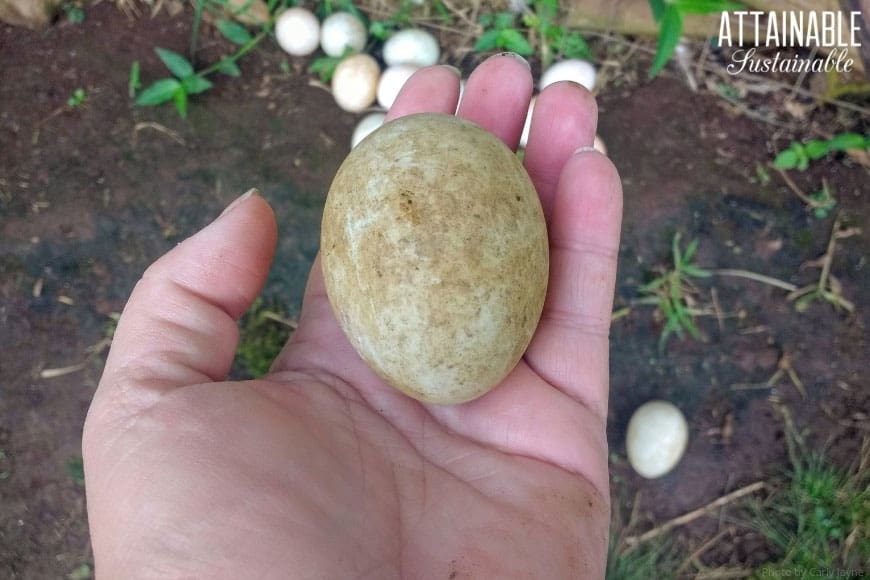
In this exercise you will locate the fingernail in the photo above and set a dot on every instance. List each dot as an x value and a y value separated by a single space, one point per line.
588 149
455 70
239 201
517 57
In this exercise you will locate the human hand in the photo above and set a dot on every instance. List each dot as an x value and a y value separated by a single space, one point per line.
319 469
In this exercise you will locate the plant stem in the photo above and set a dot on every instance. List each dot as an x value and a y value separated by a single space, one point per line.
787 286
194 34
245 49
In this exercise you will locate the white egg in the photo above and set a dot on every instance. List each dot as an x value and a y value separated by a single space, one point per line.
365 127
297 31
599 144
340 31
524 138
656 439
392 81
411 46
579 71
355 82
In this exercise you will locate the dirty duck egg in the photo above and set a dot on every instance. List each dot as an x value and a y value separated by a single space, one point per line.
297 31
411 46
342 30
435 256
355 82
656 439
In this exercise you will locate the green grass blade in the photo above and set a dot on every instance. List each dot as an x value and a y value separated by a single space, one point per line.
669 36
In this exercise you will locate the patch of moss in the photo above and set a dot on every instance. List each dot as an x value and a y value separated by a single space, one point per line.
262 336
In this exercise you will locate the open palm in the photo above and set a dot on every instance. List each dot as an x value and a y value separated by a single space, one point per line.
320 470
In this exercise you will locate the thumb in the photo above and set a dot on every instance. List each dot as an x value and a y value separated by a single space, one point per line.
179 326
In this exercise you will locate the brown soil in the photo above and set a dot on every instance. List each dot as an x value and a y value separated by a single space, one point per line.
88 198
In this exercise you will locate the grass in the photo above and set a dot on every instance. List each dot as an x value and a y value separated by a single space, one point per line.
652 560
264 331
672 293
820 517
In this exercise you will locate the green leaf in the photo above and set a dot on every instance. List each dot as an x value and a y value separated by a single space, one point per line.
696 272
845 141
487 41
706 6
83 572
230 68
180 98
816 149
177 64
134 84
574 46
75 468
658 9
379 29
159 92
324 67
787 159
234 32
669 36
503 20
195 84
486 19
514 41
675 250
690 252
653 285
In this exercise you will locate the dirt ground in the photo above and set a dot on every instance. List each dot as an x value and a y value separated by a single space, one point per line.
90 195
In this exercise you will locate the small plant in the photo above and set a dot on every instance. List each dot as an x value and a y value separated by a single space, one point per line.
324 66
798 155
4 470
83 572
74 13
263 334
669 14
75 468
820 517
554 39
135 83
823 201
186 80
501 32
78 97
672 293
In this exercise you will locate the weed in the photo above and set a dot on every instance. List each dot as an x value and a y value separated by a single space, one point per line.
669 14
653 560
83 572
799 155
823 200
78 97
75 468
820 517
672 292
4 470
325 66
186 80
74 13
502 31
134 83
263 334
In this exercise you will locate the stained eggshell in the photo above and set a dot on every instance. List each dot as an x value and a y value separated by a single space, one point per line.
355 82
435 256
656 439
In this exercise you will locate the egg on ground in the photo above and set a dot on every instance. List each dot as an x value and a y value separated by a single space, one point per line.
297 31
576 70
656 439
411 46
342 30
355 82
